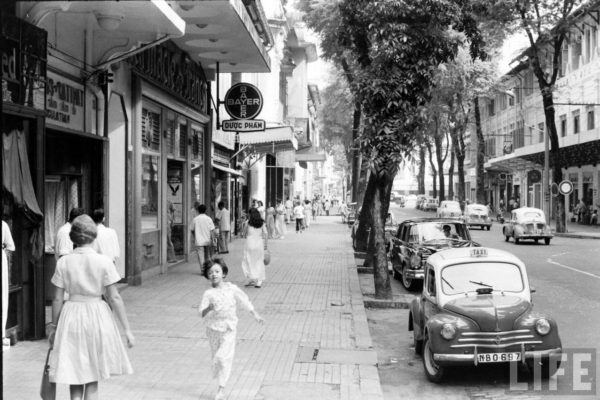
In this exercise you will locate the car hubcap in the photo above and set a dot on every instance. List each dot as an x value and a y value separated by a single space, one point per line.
407 281
432 367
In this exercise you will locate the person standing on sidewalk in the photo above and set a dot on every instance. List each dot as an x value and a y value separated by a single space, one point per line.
106 242
253 260
280 227
288 208
63 244
86 341
299 216
223 218
7 245
218 307
307 213
203 227
270 221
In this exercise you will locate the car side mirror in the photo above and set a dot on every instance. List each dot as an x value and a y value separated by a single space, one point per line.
532 290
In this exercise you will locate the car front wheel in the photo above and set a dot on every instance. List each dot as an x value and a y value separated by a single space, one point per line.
408 283
515 238
433 371
547 241
506 237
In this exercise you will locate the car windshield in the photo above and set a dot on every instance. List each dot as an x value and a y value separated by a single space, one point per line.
434 231
468 277
531 216
478 210
452 207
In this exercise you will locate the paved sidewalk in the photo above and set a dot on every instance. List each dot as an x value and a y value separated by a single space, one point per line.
579 231
315 343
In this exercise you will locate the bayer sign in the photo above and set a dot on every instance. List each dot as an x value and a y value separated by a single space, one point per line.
243 101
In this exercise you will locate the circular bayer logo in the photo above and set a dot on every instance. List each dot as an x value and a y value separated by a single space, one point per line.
243 101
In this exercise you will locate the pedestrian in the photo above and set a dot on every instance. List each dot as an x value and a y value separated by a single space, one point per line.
315 210
581 211
280 227
343 212
327 207
299 216
261 209
63 244
223 218
106 242
203 229
594 217
8 245
511 204
171 258
288 209
253 259
270 221
84 336
307 213
219 310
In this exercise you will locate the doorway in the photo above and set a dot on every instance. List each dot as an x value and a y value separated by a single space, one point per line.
176 232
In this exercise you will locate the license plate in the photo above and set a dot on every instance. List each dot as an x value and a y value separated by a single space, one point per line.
498 357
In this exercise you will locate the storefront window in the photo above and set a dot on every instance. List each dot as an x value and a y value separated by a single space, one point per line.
150 199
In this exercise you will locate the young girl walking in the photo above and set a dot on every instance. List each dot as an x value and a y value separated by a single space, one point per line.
218 307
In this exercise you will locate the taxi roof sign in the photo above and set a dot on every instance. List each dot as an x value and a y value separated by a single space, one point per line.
479 252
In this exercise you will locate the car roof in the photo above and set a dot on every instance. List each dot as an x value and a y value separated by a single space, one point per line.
477 206
432 219
450 256
527 209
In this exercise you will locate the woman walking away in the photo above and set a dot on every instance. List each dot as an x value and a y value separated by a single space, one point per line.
253 261
87 345
280 228
218 308
270 221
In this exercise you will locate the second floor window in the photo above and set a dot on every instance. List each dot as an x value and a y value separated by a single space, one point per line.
492 107
590 120
576 126
563 125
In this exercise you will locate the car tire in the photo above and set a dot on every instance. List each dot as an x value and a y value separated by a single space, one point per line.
417 343
547 241
506 237
489 227
408 283
433 372
515 238
536 241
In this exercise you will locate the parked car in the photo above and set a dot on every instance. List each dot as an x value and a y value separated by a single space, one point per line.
416 239
430 204
420 201
477 215
476 308
449 209
389 230
400 200
352 214
527 223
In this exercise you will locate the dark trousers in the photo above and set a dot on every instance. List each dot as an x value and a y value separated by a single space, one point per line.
299 224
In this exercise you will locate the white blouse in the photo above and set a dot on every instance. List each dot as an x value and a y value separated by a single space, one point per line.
224 301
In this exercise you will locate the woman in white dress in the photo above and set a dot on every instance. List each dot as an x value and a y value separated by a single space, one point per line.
87 345
280 228
7 245
253 261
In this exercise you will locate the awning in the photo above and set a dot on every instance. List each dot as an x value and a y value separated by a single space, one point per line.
119 27
223 31
271 141
226 169
311 154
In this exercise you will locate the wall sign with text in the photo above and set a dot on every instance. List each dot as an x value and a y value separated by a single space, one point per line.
243 102
65 100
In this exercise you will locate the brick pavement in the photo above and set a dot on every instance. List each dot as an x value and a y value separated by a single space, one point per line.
315 343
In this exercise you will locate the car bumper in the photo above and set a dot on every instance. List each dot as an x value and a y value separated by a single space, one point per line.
453 359
479 223
415 273
534 236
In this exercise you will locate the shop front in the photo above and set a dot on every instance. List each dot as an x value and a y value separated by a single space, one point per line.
170 136
24 64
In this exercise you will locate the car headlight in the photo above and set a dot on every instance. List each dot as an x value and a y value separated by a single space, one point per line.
448 331
415 261
542 326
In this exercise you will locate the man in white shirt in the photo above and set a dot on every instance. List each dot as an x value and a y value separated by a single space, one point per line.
224 222
106 242
63 244
202 227
299 216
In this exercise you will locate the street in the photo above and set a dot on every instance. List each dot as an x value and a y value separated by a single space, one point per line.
566 277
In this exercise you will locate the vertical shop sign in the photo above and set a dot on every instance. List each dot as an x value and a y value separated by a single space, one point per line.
64 102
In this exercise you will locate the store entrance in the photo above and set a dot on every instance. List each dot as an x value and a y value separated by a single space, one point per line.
176 229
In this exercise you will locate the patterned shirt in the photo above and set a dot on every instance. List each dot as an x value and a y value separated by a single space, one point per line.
224 300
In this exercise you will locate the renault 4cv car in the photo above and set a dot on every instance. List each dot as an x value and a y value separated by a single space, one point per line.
527 223
449 209
476 308
477 215
418 238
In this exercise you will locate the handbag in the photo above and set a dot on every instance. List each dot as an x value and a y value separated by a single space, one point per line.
267 258
47 388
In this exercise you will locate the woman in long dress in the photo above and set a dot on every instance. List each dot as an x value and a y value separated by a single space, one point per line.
270 221
253 261
87 345
280 228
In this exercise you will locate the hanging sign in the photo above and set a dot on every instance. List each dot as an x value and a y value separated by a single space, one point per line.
243 102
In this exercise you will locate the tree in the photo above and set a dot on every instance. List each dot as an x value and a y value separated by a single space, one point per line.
395 47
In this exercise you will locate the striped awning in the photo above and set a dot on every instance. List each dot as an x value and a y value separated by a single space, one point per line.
271 140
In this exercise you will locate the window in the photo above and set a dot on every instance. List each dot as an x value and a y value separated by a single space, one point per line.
431 282
502 100
150 129
576 52
492 107
150 179
588 46
518 94
541 132
563 125
576 126
590 119
519 135
511 100
528 89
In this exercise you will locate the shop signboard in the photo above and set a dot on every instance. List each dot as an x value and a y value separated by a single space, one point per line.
65 102
243 102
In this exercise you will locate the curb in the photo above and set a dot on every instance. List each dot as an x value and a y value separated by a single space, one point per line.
371 302
576 235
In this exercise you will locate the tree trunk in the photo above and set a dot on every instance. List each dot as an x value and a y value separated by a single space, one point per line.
460 163
421 177
433 170
451 176
379 210
364 218
440 162
480 191
555 160
356 152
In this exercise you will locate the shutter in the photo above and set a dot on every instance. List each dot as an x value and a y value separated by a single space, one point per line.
182 140
150 129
